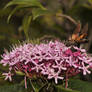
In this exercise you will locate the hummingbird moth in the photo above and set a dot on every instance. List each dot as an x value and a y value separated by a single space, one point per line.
79 35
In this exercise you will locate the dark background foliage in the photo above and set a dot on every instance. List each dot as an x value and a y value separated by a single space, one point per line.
12 32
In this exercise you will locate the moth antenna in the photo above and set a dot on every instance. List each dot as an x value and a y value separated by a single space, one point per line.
85 29
78 28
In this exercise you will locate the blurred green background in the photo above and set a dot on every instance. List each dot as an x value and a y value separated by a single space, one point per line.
59 27
12 32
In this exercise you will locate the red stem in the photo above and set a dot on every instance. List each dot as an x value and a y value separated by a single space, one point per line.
66 80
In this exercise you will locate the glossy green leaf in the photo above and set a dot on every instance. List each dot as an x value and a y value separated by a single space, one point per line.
39 12
25 2
26 24
82 86
20 73
16 9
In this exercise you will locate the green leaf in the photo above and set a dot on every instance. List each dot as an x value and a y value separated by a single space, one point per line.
26 24
14 10
12 88
39 12
20 73
4 12
59 88
25 2
82 86
35 86
38 84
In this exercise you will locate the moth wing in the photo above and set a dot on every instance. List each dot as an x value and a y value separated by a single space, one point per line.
78 28
81 37
83 32
76 31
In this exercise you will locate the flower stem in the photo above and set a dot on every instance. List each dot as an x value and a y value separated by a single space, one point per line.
66 80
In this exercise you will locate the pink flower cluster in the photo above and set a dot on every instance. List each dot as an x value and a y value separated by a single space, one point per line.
53 60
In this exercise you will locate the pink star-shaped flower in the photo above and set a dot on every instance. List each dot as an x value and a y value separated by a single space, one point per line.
8 76
85 69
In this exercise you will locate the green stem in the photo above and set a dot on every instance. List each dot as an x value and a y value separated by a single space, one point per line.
43 86
32 86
